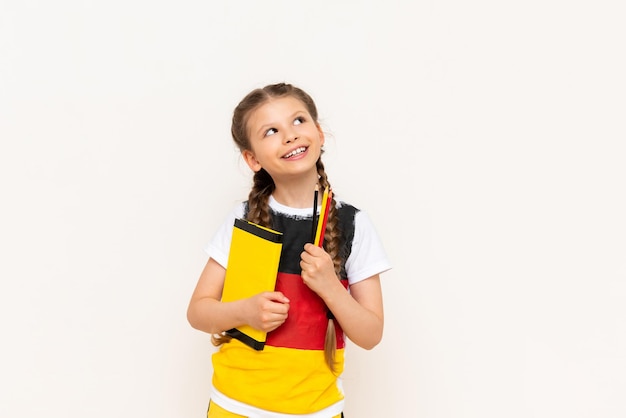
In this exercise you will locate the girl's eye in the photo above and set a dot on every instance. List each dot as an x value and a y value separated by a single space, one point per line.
270 131
298 120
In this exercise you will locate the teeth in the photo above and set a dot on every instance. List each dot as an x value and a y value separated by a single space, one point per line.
295 152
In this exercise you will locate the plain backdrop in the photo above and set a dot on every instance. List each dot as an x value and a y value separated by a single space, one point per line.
485 139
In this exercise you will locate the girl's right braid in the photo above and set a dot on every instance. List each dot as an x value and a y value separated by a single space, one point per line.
258 206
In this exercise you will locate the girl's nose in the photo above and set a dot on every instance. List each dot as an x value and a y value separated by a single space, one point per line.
290 136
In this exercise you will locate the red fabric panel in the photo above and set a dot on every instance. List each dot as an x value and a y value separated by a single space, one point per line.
305 327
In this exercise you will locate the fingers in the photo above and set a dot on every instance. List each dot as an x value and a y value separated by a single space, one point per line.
274 302
272 320
277 297
309 256
313 250
272 310
314 259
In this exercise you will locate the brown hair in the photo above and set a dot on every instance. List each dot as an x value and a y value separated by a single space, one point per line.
263 186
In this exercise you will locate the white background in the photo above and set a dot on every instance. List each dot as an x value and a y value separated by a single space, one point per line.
486 140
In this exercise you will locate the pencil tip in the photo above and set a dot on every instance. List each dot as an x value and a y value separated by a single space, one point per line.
317 187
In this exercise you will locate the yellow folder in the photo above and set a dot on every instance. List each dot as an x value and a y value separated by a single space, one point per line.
252 268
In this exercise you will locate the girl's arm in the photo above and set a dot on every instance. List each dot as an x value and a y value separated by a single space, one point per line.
360 311
265 311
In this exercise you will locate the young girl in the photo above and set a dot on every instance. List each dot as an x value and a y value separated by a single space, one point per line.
321 293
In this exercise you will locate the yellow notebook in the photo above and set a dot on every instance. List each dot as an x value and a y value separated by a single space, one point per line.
252 268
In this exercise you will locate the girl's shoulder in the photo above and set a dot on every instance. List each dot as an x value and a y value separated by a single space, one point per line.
345 207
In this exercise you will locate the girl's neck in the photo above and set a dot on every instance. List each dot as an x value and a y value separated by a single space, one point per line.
295 194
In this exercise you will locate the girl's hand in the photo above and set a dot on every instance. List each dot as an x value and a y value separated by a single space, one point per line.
318 270
267 311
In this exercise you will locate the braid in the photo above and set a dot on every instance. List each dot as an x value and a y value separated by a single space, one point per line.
332 240
332 244
258 206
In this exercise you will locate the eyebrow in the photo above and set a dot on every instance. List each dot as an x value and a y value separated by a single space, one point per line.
266 126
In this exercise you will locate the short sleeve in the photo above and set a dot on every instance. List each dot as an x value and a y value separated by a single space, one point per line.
368 256
219 245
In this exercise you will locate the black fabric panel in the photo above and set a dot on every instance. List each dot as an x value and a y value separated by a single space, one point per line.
297 232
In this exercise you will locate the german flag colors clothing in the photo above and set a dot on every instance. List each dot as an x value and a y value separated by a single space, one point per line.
290 376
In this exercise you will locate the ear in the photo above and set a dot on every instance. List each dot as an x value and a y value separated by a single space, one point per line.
251 160
322 137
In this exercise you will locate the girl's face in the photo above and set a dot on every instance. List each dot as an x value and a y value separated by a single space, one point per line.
284 138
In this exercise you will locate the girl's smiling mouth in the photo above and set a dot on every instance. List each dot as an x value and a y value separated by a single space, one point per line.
295 152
